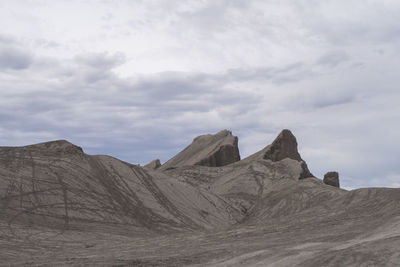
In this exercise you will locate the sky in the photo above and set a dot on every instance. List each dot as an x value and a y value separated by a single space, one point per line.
139 79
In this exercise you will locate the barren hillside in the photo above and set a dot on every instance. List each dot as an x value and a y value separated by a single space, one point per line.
203 207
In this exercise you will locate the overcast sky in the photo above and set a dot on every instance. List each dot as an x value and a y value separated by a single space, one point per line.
139 79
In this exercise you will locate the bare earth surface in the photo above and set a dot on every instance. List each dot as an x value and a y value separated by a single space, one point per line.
205 207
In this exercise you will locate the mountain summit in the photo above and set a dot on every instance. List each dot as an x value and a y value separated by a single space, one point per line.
284 146
208 150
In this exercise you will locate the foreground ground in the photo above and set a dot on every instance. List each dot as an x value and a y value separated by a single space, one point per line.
351 241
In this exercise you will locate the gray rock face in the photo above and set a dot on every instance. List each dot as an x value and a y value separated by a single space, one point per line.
155 164
224 155
208 150
285 146
58 146
52 148
332 178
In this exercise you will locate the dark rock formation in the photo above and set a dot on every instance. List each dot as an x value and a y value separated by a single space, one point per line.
306 172
226 154
208 150
285 146
332 178
155 164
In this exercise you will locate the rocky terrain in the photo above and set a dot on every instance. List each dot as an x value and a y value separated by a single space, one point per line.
204 207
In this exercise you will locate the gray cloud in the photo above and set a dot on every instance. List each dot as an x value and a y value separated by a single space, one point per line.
7 39
11 58
115 108
333 58
101 61
12 55
157 115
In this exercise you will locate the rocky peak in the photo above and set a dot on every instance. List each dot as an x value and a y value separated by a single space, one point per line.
284 146
210 137
332 178
155 164
208 150
58 146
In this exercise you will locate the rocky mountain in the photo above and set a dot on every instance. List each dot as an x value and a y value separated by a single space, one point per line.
203 207
207 150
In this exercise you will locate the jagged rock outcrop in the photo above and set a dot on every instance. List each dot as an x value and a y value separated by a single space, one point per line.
285 146
208 150
332 178
155 164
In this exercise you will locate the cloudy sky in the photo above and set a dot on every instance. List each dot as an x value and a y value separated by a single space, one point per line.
139 79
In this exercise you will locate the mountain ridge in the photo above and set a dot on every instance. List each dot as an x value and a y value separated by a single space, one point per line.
199 214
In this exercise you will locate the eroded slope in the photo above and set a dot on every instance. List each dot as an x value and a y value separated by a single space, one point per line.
60 206
55 184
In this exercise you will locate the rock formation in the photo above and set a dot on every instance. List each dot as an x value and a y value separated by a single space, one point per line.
155 164
285 146
332 178
62 207
208 150
59 147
